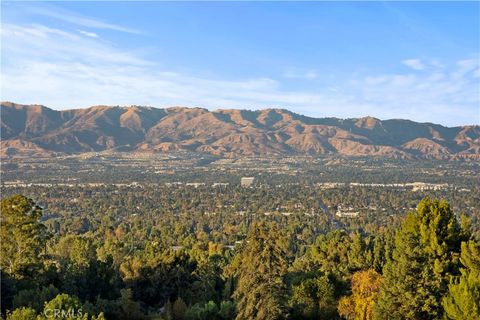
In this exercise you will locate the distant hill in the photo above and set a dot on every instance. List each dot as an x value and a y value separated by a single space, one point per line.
37 130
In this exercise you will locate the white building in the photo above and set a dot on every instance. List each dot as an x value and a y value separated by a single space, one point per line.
247 181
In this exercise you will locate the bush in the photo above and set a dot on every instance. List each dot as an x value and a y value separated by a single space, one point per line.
22 314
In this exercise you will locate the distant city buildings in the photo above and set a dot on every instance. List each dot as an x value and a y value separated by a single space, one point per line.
349 214
247 181
220 184
195 184
415 186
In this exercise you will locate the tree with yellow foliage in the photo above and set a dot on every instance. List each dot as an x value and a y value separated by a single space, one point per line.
365 287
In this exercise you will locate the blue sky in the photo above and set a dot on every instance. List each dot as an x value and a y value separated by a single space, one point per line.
345 59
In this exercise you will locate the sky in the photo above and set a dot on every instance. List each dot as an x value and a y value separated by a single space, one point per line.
410 60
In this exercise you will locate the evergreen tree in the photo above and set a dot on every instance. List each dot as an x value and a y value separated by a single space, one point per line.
358 255
179 309
260 267
22 237
227 310
35 298
130 309
382 249
425 256
329 254
209 311
463 299
314 299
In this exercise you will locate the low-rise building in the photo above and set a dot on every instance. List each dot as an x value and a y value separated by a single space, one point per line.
347 214
247 181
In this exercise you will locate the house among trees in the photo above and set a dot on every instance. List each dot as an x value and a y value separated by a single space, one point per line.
348 212
247 181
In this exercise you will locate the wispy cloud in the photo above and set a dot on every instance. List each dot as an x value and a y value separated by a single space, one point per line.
65 69
76 19
36 43
88 34
415 64
465 67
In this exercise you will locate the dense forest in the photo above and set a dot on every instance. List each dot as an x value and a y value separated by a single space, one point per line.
164 259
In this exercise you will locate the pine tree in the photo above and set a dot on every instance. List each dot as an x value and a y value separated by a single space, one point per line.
463 299
314 299
129 308
22 237
179 309
423 260
227 310
260 267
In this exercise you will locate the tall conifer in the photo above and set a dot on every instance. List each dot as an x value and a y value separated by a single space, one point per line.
260 267
425 257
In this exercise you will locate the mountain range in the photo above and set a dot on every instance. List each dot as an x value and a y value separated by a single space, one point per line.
29 130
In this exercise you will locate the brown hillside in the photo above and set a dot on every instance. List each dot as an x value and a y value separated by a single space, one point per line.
36 129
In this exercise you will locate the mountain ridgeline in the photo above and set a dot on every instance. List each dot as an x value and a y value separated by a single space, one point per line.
28 130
